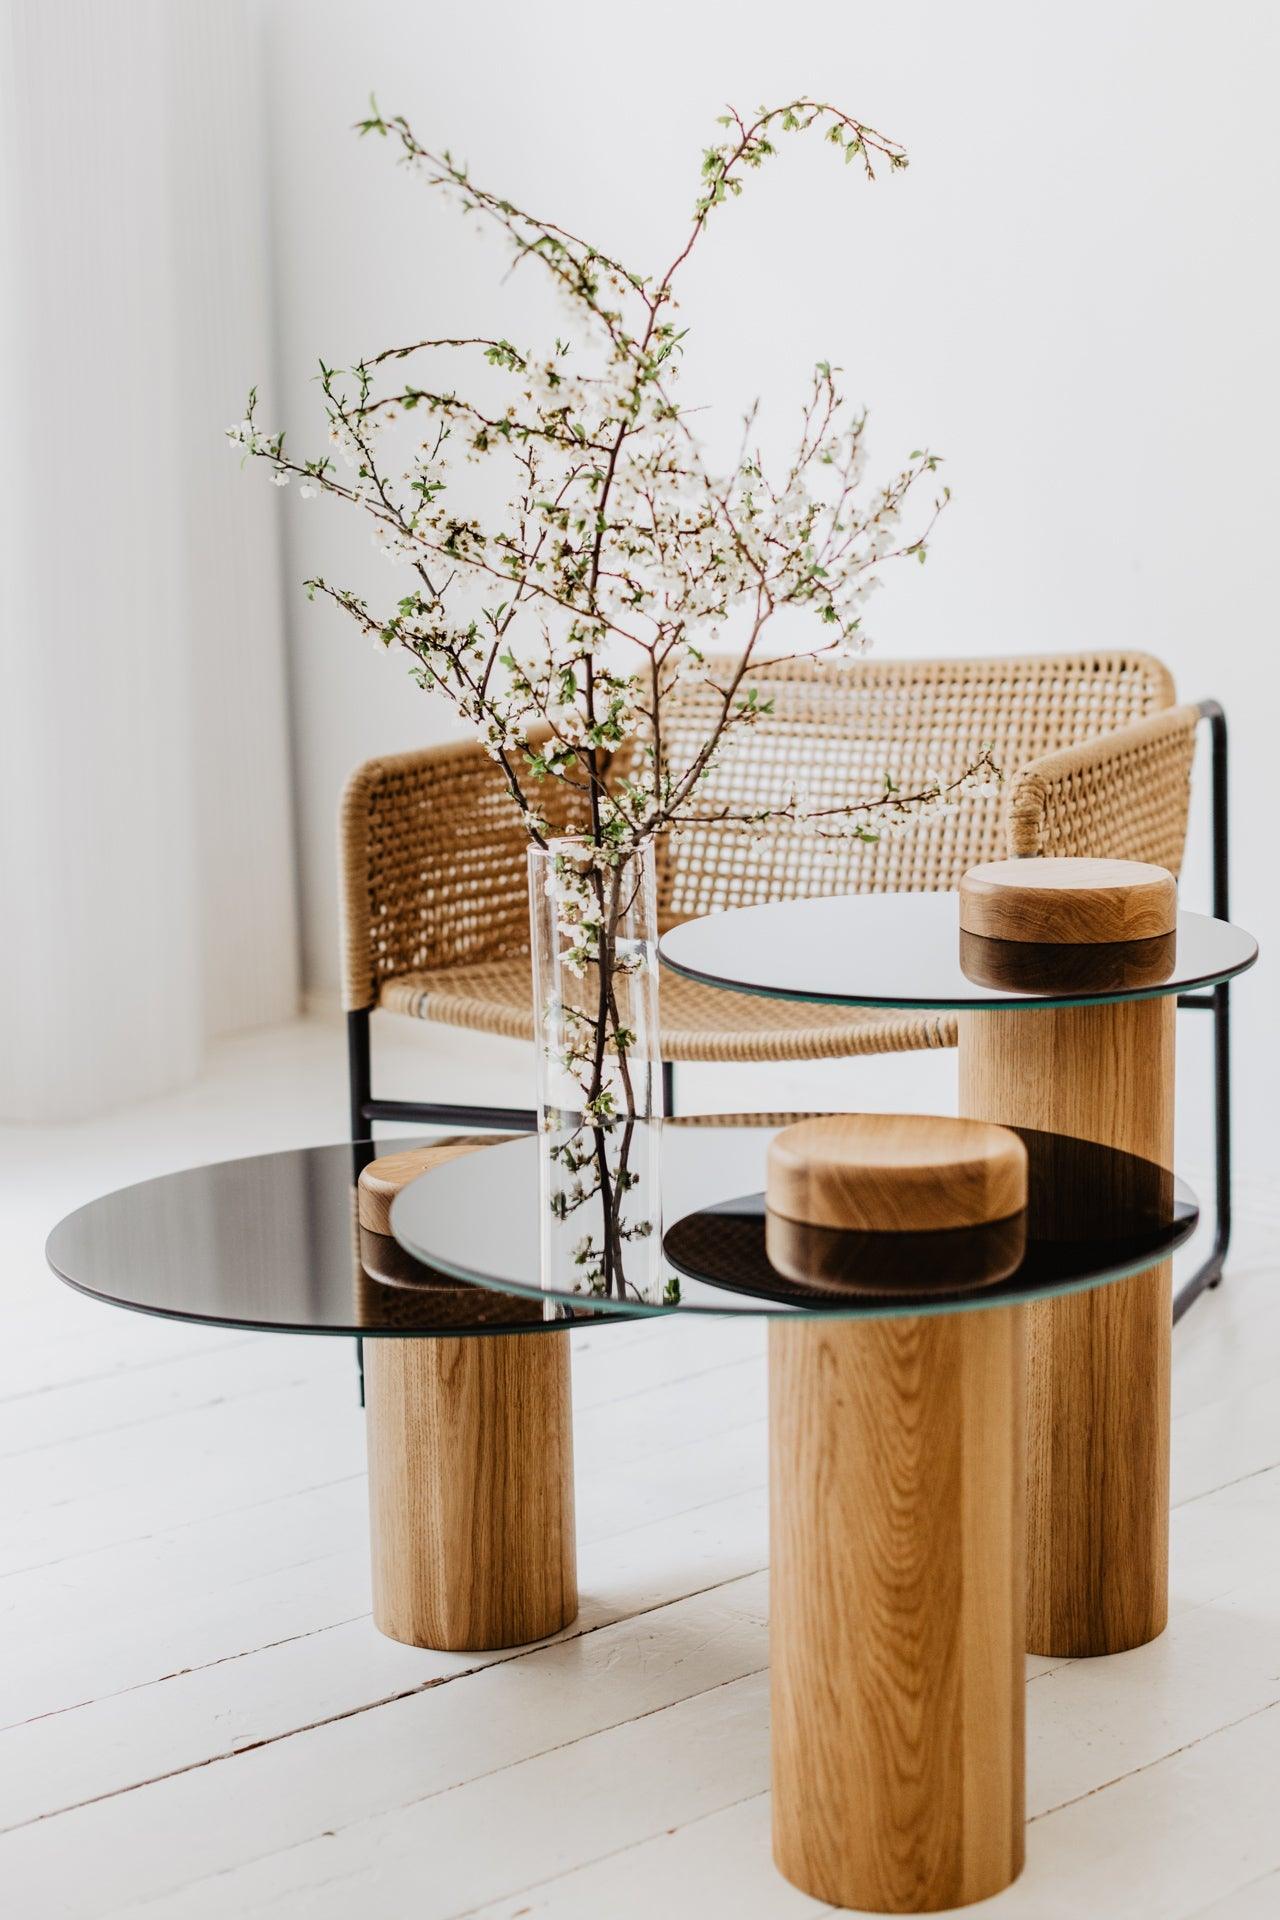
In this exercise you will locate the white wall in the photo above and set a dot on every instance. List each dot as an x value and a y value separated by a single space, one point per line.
1071 293
145 838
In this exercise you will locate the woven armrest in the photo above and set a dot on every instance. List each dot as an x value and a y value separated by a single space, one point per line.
1120 796
433 870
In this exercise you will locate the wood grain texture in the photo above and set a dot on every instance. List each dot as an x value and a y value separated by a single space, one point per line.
394 1293
1098 1362
1068 900
471 1489
896 1607
911 1266
887 1172
1078 967
384 1178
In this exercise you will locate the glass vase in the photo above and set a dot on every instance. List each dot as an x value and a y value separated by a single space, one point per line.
594 942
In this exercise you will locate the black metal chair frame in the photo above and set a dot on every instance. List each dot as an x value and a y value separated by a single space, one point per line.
365 1109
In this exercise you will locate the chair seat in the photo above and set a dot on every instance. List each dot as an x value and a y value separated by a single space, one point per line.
698 1022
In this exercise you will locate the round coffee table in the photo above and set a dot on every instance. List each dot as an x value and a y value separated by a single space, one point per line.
904 950
1078 1040
469 1421
897 1369
1095 1215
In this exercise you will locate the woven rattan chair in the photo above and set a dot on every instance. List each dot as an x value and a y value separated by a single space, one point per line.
1097 760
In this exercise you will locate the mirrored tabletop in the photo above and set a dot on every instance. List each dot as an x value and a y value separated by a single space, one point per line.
907 950
1094 1215
273 1244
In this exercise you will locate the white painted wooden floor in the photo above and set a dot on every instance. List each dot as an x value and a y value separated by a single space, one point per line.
200 1722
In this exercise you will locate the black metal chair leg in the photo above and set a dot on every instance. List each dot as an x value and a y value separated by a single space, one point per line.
1209 1273
668 1088
1222 1128
361 1149
1218 1002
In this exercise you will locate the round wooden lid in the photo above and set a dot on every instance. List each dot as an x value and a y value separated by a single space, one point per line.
1064 902
383 1179
896 1172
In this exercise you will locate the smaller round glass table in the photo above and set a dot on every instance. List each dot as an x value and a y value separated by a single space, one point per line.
906 950
1094 1215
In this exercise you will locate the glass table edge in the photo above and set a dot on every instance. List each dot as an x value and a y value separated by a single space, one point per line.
241 1324
889 1310
1033 1001
591 1316
592 1313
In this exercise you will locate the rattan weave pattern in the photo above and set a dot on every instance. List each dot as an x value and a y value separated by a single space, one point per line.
1125 795
1097 761
432 871
698 1022
836 731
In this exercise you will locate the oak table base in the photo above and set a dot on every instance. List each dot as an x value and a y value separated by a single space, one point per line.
896 1608
471 1489
1098 1362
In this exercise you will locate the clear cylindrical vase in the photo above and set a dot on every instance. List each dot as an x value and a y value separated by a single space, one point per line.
594 941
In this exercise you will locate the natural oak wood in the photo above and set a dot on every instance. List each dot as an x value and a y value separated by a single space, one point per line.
1056 966
394 1291
471 1489
896 1607
887 1172
383 1179
910 1265
1098 1365
1066 900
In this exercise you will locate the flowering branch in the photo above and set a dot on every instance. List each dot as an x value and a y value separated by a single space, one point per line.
618 538
625 568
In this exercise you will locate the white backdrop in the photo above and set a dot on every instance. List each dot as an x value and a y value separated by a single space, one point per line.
145 833
1071 294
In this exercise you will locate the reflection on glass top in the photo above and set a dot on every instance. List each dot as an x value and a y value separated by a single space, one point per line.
906 950
1093 1215
273 1243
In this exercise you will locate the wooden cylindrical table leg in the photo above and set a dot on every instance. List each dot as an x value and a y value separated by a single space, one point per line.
896 1607
471 1489
1098 1362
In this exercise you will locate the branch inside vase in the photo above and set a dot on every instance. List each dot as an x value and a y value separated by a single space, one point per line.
598 942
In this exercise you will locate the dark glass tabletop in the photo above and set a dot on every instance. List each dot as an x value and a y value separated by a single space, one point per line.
273 1244
1094 1215
907 950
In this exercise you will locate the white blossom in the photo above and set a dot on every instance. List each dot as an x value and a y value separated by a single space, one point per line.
578 574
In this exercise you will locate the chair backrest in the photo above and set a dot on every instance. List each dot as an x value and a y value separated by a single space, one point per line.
837 730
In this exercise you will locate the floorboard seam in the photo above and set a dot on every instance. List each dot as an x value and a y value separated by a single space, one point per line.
632 1846
182 1526
115 1373
1246 1886
1133 1772
181 1673
421 1799
390 1699
149 1420
1255 1473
